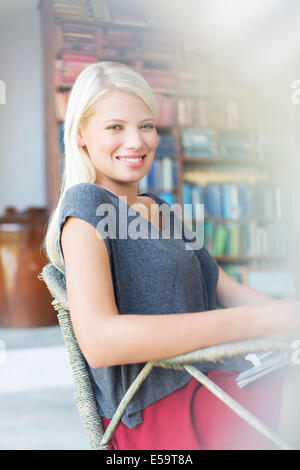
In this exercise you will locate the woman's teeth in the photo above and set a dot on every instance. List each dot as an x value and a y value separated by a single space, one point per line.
131 159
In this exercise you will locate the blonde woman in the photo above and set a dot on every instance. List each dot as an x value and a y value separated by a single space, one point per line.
138 293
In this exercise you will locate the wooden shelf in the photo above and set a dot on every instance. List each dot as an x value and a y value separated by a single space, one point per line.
111 24
229 161
159 190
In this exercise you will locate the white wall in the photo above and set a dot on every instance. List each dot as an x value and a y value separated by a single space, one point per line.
22 168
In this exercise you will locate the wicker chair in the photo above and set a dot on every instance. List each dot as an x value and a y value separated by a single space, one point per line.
83 391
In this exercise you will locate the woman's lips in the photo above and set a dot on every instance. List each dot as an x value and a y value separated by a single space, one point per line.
132 161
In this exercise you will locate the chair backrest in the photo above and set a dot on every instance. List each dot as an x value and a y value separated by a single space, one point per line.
83 387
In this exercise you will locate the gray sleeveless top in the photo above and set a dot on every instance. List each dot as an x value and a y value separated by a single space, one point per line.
153 274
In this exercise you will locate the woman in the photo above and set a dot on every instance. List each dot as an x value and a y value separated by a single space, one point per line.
138 293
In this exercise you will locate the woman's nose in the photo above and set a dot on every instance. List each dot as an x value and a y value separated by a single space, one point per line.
133 139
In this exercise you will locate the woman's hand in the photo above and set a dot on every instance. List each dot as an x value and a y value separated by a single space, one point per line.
280 318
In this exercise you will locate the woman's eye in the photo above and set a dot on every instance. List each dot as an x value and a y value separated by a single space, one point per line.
118 127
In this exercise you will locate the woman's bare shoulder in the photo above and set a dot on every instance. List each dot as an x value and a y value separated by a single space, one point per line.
88 281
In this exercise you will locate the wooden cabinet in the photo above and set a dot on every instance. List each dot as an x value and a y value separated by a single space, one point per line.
24 300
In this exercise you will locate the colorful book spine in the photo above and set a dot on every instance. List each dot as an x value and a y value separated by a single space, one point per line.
219 240
187 201
162 175
240 235
166 110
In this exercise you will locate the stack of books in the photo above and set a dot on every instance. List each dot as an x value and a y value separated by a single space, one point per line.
69 66
194 112
159 79
270 201
161 176
238 201
128 13
199 142
192 194
247 238
235 144
166 146
116 44
99 10
194 83
76 38
166 110
231 113
78 10
157 46
259 229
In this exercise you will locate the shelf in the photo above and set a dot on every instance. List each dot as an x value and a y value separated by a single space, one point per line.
158 190
228 161
110 24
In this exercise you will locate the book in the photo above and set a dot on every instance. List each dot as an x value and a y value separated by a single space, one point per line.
187 201
167 174
125 12
167 146
220 235
159 79
199 142
194 112
235 144
166 110
263 364
168 197
100 10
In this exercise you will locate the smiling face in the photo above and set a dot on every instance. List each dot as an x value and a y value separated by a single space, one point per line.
120 138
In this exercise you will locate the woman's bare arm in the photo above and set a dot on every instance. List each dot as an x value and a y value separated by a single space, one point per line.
107 338
231 293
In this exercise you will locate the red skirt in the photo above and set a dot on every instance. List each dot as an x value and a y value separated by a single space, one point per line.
192 418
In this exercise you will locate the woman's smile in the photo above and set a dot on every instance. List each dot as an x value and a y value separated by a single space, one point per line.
132 161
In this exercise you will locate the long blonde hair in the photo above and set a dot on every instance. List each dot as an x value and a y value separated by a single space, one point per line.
95 81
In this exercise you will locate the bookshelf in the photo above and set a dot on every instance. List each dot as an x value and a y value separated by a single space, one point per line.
208 124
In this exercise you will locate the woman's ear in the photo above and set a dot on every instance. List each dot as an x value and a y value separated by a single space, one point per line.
80 139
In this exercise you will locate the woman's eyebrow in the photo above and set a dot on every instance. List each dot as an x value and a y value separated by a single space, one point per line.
121 120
